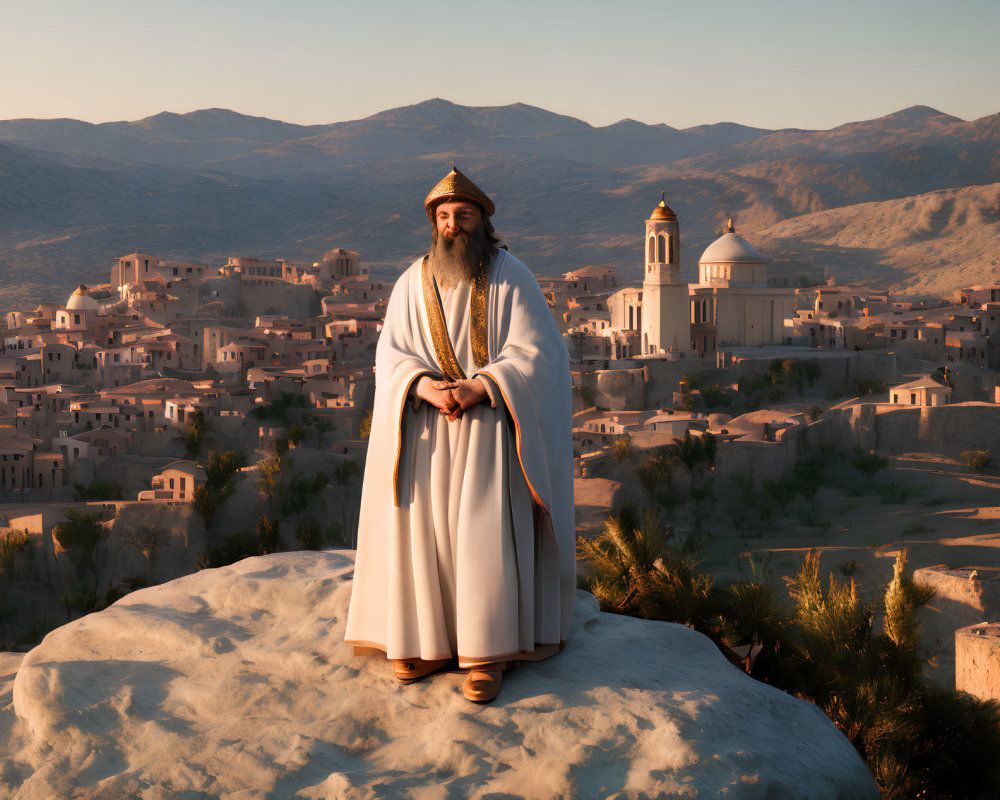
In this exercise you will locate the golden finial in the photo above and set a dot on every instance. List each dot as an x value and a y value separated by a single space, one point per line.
729 226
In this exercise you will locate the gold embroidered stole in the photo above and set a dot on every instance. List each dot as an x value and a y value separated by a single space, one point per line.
439 330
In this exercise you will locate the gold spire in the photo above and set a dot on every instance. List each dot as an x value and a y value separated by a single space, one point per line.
729 226
456 186
662 210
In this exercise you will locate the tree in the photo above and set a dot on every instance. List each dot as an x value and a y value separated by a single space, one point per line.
219 468
146 539
917 739
296 433
623 449
309 535
196 434
269 534
79 535
97 490
11 543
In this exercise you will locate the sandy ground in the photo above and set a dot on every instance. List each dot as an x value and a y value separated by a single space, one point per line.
951 517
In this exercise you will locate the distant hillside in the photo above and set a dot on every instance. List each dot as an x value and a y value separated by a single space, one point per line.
927 244
166 139
213 183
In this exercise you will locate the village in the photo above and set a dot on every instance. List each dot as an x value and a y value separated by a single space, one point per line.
180 417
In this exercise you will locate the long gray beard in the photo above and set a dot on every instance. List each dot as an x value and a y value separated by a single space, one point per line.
461 259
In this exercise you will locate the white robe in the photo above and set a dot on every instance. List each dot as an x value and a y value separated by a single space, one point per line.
466 535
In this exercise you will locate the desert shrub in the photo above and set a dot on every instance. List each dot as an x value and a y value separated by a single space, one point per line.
623 449
346 472
234 547
195 438
134 582
718 396
97 490
868 386
308 535
978 460
220 466
320 480
81 531
80 603
277 409
207 500
334 534
869 463
918 740
12 543
268 534
296 433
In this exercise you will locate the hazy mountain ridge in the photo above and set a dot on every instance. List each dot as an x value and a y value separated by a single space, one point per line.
201 186
910 243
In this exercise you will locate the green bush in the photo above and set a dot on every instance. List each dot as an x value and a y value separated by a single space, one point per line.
309 535
277 409
268 534
335 534
867 386
918 740
622 449
12 543
80 531
234 547
97 490
869 463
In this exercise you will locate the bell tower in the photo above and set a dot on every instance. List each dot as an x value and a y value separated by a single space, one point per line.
663 244
666 318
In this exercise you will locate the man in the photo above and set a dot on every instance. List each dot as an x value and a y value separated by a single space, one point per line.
466 543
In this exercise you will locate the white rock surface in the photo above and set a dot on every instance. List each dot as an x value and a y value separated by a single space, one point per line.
235 683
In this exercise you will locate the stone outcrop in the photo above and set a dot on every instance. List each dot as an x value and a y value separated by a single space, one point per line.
236 683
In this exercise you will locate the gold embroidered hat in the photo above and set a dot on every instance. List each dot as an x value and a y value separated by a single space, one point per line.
455 186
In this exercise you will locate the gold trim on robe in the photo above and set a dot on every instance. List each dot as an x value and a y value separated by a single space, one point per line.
439 330
443 348
477 321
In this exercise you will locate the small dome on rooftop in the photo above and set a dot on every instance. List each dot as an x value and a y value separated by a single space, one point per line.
81 301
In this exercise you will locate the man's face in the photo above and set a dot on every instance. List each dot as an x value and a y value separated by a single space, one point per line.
457 216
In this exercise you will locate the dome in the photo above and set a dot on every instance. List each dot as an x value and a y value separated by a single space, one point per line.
662 210
81 301
731 248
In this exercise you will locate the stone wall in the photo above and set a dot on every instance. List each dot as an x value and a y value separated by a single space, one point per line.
947 430
977 661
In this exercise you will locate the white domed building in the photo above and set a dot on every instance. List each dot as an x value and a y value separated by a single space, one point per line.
732 261
732 304
79 313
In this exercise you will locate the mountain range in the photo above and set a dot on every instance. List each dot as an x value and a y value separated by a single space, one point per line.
908 201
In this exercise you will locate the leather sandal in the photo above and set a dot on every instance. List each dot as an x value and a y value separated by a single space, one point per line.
482 684
413 669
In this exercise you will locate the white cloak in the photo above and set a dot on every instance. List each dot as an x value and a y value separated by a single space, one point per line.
466 535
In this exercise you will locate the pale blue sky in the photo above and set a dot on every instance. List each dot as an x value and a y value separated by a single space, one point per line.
769 63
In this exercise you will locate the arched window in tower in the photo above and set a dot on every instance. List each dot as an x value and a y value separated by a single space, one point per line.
651 257
663 254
